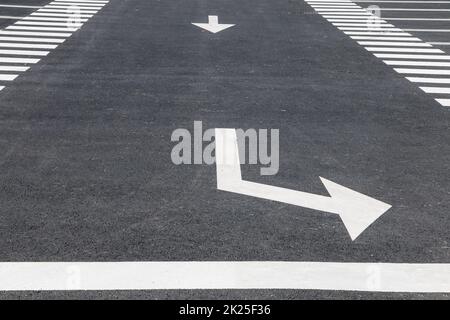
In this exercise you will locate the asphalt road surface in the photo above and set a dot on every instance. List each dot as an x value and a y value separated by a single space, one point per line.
86 172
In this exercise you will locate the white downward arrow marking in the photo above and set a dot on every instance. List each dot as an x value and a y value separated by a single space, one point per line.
213 25
356 210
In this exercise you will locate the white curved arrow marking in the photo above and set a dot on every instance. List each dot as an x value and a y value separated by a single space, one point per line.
213 25
356 210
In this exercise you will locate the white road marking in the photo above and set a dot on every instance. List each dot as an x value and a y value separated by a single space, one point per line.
16 27
24 52
213 25
35 39
342 276
8 77
417 19
429 80
18 60
358 14
357 211
39 34
36 28
368 33
10 17
341 10
368 29
391 43
414 9
423 71
381 49
11 68
355 20
27 45
416 63
48 24
393 1
412 56
91 1
356 24
19 6
65 11
385 38
68 15
428 30
399 45
70 4
440 43
435 90
346 6
33 18
444 102
71 7
349 16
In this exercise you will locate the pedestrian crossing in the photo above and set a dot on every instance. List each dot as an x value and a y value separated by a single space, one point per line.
31 38
407 54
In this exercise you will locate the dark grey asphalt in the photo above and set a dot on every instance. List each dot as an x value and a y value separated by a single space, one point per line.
86 175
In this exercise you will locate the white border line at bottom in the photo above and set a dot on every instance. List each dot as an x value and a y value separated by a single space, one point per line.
370 277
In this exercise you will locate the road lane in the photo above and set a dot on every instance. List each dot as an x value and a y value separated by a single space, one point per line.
87 174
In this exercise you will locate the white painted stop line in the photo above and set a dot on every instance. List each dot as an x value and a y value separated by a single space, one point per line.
373 277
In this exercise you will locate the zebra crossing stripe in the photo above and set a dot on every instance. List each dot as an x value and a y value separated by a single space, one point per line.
391 44
45 28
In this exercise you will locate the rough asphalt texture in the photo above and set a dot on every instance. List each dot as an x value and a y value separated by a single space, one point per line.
86 175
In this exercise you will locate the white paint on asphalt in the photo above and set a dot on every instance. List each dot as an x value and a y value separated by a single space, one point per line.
49 24
436 90
392 43
18 27
67 15
357 211
213 25
8 77
423 71
385 38
33 18
18 60
414 9
396 44
27 45
428 80
174 275
356 24
444 102
394 1
416 63
19 6
15 68
374 29
43 34
416 19
24 52
371 33
34 39
412 56
428 30
412 50
10 17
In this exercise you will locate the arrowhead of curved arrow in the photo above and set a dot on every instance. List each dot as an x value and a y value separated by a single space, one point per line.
356 210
